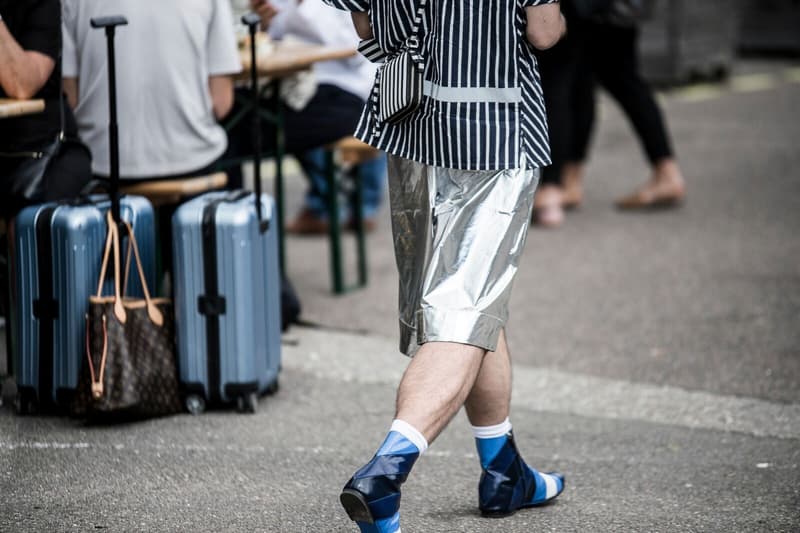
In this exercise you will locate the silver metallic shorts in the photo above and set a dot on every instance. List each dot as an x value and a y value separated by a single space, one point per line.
458 237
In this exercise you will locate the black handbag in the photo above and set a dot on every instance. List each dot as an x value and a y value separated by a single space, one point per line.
24 173
24 181
400 79
130 370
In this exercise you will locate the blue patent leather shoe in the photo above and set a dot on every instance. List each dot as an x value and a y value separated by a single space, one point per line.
372 496
508 484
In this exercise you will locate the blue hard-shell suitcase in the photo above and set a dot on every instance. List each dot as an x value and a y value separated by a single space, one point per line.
57 249
227 299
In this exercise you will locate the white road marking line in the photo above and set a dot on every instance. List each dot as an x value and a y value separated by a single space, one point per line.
753 82
792 75
742 83
696 93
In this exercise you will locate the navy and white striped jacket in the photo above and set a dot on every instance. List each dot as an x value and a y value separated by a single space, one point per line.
483 107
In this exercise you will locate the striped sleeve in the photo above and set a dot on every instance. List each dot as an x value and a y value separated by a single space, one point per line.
533 3
370 49
349 5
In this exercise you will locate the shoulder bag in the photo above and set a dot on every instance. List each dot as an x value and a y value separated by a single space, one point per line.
401 78
25 181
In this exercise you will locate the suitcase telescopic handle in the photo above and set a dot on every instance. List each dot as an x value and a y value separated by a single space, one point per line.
252 21
110 23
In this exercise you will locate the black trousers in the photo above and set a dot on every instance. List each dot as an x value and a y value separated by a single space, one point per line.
331 114
568 86
604 54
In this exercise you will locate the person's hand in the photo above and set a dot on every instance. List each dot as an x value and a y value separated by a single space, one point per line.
265 10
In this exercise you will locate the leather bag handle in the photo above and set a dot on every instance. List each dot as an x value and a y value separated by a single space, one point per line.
156 317
112 244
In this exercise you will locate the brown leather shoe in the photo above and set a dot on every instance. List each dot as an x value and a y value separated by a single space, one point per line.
369 225
307 223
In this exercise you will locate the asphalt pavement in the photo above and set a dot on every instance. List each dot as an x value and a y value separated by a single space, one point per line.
656 360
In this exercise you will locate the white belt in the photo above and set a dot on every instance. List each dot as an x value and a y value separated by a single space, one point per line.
505 95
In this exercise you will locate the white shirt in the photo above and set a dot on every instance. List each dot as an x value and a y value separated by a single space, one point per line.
164 57
313 21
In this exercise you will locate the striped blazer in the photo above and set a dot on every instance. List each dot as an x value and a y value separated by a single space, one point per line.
482 107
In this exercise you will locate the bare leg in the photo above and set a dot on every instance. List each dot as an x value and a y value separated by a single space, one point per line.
436 384
572 180
490 398
667 172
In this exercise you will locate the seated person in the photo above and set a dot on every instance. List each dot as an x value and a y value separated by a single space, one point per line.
174 62
331 113
174 67
30 47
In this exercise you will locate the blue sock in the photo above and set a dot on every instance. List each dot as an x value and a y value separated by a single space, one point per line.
490 440
403 438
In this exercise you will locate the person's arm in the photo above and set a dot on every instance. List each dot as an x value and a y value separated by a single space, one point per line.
69 54
546 25
70 86
222 59
361 24
266 10
359 10
221 89
24 72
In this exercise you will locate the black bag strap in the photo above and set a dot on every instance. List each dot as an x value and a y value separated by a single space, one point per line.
413 39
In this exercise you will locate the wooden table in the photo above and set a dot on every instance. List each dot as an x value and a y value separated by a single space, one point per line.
288 57
15 108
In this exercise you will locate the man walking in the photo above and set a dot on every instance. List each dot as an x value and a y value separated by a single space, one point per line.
462 172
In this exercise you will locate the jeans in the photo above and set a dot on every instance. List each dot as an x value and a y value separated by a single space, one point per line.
373 180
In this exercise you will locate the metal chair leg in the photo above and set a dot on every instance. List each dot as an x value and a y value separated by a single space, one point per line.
357 206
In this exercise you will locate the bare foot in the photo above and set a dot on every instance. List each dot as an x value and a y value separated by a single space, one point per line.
666 188
547 209
572 179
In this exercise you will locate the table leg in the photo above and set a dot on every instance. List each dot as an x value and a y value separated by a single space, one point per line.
334 228
280 147
358 222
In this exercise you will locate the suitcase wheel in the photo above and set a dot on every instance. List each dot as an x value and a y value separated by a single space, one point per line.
195 404
247 403
273 387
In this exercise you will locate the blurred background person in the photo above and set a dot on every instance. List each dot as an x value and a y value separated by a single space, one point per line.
30 67
601 48
568 86
174 65
40 156
332 112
